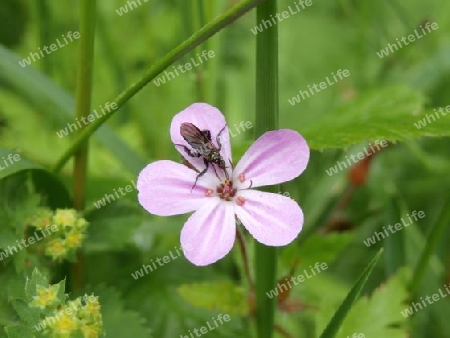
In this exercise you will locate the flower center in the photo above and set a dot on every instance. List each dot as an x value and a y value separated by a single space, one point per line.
226 191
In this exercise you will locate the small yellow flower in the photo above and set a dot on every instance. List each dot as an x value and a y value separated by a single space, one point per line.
56 248
82 224
46 297
65 217
90 331
42 218
75 305
64 326
93 307
74 239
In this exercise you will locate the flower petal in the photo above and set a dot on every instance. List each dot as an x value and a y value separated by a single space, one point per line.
272 219
277 156
208 235
205 117
165 188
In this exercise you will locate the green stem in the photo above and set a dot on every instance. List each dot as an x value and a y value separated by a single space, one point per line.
83 95
45 24
198 21
214 44
202 73
175 54
83 107
266 119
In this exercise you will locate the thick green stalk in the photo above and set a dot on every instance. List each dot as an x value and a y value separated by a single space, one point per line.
266 119
175 54
83 107
83 95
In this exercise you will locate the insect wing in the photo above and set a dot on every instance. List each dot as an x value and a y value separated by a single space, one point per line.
207 134
194 136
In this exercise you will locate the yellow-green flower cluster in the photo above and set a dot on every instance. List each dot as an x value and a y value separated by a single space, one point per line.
70 234
81 315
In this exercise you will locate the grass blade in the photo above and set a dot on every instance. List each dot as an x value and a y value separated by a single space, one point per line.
435 236
333 326
58 106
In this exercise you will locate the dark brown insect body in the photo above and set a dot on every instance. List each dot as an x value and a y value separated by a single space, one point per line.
201 143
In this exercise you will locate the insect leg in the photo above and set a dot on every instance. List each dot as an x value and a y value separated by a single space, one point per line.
202 173
226 174
218 137
188 151
231 164
219 148
214 167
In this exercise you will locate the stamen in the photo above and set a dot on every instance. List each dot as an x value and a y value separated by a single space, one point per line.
240 201
228 187
242 178
226 191
208 192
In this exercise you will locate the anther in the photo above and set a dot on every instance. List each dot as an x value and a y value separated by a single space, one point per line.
242 178
240 201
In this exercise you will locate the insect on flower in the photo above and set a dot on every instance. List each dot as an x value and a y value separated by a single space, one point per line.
201 143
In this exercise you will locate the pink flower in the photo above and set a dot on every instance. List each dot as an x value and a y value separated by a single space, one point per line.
209 233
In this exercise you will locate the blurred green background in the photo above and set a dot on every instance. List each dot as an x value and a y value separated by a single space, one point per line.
381 99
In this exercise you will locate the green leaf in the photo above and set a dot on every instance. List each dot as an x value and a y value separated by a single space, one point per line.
7 238
112 226
223 296
17 166
381 114
333 326
18 202
14 285
174 316
317 248
36 279
26 313
7 314
118 321
44 181
19 331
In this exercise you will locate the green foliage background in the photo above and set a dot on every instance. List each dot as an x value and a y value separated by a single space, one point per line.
380 100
